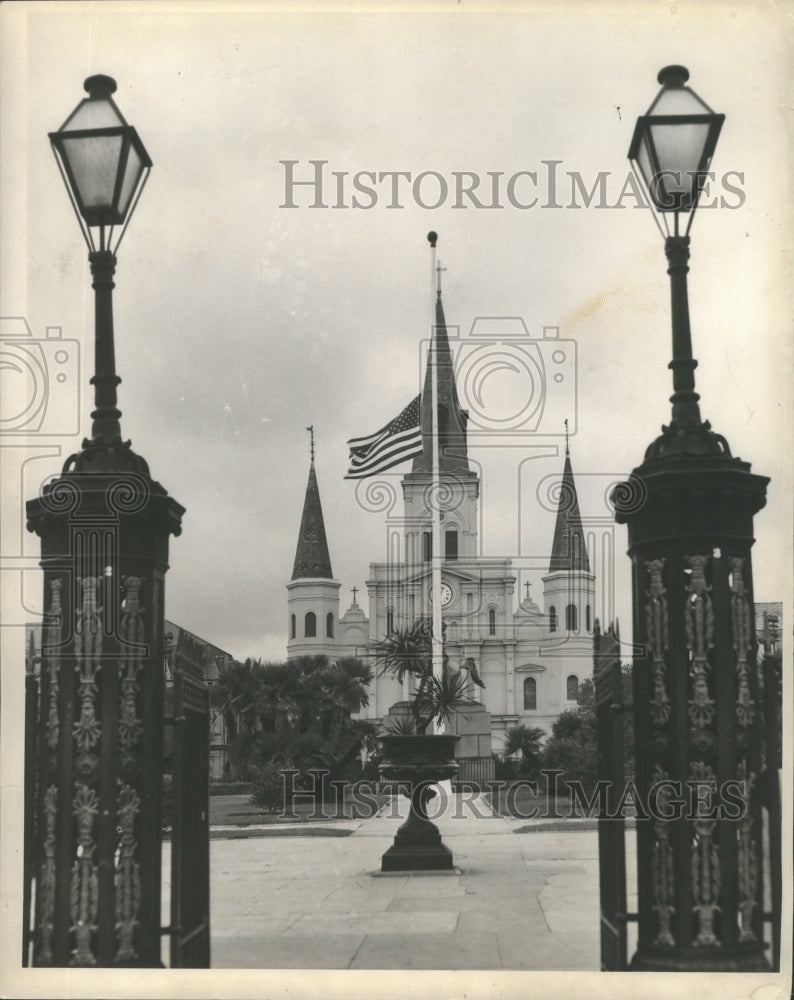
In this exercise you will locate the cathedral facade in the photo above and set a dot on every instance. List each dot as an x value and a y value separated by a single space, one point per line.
530 657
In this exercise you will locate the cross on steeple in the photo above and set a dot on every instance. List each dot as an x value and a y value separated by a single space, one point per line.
355 591
439 269
311 432
566 437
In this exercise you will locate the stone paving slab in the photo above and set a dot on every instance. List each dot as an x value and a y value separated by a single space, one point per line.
331 952
421 922
424 904
411 951
520 901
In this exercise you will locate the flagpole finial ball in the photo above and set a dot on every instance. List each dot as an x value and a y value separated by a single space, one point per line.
432 238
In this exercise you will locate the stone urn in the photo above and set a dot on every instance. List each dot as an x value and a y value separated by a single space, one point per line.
420 761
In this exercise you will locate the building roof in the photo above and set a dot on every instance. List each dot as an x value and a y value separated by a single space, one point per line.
568 550
311 556
452 419
213 658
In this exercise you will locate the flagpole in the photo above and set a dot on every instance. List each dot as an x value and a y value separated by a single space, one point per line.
437 558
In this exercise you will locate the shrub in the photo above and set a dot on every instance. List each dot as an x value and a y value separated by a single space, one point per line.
268 787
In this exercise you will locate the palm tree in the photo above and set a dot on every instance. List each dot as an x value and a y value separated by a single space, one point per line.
277 697
295 712
233 695
410 651
406 651
438 699
528 740
345 685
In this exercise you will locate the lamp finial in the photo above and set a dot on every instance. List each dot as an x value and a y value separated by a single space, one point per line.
100 85
673 76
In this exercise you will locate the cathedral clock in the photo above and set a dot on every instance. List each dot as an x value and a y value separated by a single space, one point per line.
447 594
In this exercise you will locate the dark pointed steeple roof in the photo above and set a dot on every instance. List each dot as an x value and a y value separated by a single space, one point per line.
568 550
311 557
452 419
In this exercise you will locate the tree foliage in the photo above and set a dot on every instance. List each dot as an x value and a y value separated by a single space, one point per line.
294 714
527 741
409 652
572 746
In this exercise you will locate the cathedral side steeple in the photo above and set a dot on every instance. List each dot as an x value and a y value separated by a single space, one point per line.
313 594
569 586
568 550
311 556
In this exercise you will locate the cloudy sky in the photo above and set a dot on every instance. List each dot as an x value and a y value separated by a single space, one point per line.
240 320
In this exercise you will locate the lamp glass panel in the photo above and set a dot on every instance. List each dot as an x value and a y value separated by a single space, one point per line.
678 101
132 175
644 161
93 114
679 149
94 162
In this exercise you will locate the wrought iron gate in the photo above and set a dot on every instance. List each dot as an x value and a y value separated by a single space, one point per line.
190 831
772 675
32 667
610 711
611 827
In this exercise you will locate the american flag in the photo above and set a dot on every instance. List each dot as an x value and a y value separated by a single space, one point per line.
396 442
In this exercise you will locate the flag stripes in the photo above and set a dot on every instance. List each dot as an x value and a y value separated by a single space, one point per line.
398 441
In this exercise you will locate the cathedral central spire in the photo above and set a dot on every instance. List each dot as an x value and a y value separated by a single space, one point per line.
451 418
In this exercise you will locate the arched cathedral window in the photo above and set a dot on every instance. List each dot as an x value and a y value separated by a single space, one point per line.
329 625
310 625
427 545
491 622
530 694
451 543
552 619
570 618
588 624
292 626
572 688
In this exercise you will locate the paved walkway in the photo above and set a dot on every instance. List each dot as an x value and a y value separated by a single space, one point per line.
517 900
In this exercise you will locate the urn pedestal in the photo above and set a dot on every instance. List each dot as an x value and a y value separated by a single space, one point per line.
420 761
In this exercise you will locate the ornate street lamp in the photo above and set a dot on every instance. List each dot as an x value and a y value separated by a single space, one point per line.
673 145
698 720
104 525
105 166
672 148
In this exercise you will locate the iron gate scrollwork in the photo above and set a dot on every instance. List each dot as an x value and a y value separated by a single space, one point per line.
190 855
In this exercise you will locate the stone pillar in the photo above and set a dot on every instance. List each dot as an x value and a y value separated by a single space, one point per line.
104 553
689 509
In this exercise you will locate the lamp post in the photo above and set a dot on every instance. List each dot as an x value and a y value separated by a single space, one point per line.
689 509
105 167
104 526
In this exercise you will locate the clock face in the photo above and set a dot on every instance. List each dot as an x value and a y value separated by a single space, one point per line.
446 594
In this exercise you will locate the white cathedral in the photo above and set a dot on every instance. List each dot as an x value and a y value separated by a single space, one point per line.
531 659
